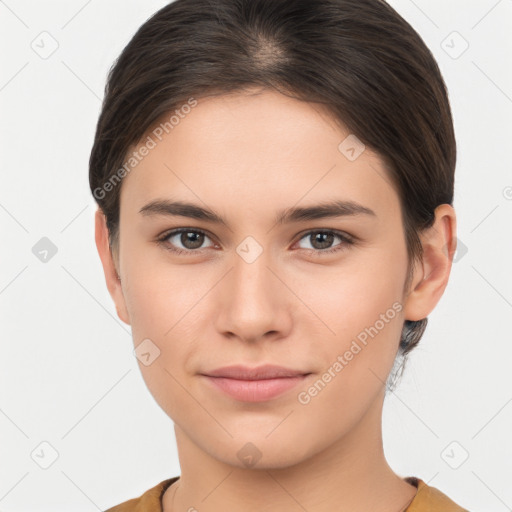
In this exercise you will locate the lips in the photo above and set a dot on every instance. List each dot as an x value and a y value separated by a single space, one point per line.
254 384
267 371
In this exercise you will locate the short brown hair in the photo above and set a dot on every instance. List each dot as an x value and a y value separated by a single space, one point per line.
358 57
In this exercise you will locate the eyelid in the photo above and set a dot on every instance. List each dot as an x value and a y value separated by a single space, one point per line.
337 232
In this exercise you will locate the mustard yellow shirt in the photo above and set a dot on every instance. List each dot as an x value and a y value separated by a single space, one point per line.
427 499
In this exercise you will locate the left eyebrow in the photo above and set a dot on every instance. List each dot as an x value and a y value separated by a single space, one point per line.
337 208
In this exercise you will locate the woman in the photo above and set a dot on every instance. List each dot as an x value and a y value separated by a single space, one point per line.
275 189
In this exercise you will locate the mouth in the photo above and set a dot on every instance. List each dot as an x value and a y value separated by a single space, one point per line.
255 384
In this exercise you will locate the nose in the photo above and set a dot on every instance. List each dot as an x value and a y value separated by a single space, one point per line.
254 303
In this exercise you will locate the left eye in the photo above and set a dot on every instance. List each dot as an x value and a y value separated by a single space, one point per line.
322 241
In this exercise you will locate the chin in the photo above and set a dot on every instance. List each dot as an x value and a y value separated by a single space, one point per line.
256 451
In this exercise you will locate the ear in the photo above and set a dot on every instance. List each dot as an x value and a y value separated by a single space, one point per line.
431 275
110 266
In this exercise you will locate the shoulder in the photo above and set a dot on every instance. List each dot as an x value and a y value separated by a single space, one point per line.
149 501
430 498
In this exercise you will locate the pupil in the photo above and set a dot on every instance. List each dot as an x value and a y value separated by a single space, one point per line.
191 240
325 243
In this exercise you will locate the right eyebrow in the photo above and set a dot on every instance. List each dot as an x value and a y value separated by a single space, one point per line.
181 209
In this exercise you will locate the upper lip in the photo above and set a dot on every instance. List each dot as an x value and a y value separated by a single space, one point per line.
267 371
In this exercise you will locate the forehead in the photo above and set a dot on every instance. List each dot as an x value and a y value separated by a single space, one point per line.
256 150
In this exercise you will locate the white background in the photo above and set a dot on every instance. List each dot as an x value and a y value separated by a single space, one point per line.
68 376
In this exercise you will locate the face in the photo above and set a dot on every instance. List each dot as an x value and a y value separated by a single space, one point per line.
316 293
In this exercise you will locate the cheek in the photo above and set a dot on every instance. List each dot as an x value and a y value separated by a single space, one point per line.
158 292
367 321
364 309
164 304
358 294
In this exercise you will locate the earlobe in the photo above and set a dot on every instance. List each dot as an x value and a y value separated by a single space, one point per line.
109 266
431 276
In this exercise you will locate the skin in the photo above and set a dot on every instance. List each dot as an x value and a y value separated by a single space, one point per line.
248 156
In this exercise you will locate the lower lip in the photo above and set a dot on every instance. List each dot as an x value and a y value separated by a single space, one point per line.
255 390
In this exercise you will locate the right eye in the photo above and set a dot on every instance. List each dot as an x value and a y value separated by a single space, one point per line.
191 240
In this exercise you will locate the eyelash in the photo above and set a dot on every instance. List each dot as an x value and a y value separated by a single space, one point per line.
345 239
